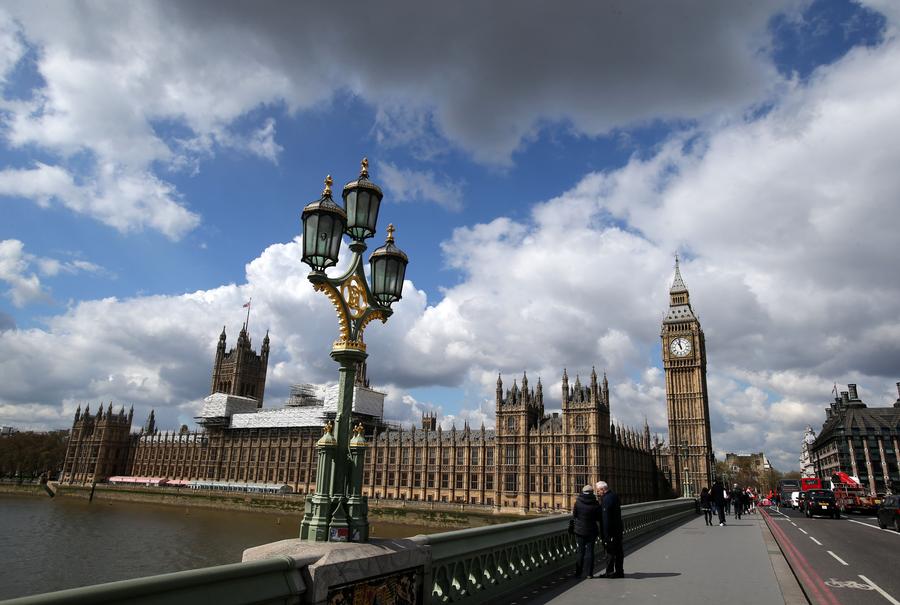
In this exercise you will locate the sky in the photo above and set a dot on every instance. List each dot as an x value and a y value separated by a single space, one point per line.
542 164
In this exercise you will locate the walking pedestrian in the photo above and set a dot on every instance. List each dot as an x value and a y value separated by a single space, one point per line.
612 531
737 497
586 514
718 494
706 505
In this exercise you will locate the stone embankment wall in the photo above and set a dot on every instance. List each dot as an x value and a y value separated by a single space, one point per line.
405 512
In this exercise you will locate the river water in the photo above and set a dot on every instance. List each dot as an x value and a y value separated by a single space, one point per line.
51 544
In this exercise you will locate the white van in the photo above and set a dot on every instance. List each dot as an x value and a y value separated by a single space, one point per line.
795 496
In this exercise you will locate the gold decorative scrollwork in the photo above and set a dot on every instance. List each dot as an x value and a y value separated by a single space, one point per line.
335 299
373 315
353 291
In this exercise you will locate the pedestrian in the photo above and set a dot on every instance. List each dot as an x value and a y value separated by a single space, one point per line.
718 494
586 514
612 531
737 498
706 505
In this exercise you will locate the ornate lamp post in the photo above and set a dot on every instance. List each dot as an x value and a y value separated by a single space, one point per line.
338 511
686 489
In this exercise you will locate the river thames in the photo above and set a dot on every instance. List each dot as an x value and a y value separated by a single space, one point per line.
51 544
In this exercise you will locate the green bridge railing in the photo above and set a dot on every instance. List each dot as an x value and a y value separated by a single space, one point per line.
480 564
464 566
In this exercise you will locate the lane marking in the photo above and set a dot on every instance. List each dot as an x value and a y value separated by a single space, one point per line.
794 524
878 588
816 541
841 561
803 530
890 531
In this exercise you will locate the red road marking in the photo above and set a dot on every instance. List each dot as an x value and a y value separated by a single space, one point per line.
799 563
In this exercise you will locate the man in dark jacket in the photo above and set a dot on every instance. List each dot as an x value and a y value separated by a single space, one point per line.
718 494
737 498
586 514
612 531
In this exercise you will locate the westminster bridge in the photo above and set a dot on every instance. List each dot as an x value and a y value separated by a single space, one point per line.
671 557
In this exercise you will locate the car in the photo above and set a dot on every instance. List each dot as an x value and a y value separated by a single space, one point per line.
795 499
889 512
821 502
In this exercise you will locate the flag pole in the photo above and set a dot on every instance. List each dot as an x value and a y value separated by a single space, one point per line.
247 323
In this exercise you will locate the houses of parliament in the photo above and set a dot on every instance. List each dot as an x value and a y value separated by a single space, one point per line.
531 461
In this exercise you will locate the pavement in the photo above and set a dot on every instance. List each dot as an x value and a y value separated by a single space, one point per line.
692 564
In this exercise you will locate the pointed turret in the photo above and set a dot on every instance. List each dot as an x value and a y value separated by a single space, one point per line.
265 345
605 390
677 282
78 411
539 393
679 299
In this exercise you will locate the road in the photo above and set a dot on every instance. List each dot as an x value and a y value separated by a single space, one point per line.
848 561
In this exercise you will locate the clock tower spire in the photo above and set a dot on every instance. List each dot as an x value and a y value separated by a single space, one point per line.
684 360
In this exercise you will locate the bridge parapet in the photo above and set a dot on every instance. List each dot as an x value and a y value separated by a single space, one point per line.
480 564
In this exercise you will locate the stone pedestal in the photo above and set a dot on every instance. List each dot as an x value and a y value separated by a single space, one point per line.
336 571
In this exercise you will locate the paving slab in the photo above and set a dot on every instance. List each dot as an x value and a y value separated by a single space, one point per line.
692 564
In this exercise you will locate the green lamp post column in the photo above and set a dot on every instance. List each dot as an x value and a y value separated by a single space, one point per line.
357 504
317 510
324 224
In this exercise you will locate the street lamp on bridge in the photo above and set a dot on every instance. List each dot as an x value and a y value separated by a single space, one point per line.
338 511
686 488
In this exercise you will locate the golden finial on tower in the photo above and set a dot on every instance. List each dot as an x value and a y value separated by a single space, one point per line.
390 230
328 428
364 170
328 183
359 429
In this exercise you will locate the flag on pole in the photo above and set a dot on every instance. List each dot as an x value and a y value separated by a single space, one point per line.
246 305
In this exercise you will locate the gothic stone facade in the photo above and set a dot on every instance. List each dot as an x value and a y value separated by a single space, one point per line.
861 441
530 462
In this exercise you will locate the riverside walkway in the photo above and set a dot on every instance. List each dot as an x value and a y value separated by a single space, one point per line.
692 564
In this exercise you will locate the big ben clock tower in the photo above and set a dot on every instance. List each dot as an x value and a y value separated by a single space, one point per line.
687 402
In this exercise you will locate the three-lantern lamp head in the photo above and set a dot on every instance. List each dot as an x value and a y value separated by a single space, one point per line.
325 222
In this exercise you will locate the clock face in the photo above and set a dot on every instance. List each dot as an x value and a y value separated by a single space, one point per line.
680 347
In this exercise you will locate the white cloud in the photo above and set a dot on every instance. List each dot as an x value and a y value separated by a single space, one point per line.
120 198
25 286
407 185
116 84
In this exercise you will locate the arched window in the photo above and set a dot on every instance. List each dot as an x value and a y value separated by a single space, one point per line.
579 423
511 423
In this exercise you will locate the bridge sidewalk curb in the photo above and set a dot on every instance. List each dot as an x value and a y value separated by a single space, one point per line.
787 581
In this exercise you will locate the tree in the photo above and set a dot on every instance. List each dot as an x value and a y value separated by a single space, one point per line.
30 454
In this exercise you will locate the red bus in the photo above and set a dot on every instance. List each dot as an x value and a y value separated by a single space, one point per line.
808 483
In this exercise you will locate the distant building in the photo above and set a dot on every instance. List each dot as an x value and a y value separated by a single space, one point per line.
807 468
7 430
860 441
532 461
757 462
